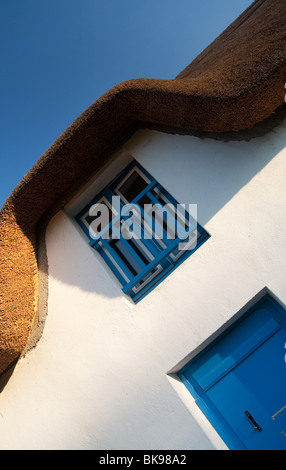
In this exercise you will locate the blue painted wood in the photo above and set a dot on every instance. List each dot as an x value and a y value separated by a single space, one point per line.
133 253
167 270
111 265
111 225
157 250
244 370
213 366
155 262
117 258
155 201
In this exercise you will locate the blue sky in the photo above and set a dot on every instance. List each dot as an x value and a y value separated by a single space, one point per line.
59 56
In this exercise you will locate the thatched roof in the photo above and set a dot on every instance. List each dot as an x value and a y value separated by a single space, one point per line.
237 82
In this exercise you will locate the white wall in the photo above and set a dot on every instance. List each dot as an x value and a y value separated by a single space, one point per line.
98 378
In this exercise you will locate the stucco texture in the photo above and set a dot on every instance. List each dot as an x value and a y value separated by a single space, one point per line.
235 83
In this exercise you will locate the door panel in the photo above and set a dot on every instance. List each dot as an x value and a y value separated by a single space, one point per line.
256 385
241 380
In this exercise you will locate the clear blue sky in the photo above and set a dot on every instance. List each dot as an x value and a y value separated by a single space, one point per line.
59 56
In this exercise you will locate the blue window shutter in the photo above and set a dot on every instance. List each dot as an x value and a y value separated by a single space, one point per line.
140 265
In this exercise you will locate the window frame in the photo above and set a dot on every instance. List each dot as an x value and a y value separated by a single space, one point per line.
161 256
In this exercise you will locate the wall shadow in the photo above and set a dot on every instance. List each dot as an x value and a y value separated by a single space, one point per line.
220 182
219 166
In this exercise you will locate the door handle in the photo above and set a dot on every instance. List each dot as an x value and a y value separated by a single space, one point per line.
252 421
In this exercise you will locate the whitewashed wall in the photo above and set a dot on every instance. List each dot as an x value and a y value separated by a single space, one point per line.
102 375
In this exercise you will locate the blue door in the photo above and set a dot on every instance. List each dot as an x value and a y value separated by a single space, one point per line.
239 382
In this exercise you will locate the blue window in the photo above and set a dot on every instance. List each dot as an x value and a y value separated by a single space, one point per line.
144 233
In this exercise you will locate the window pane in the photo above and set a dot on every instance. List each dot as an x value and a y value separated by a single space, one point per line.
155 223
143 256
97 215
144 200
132 186
125 256
129 260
